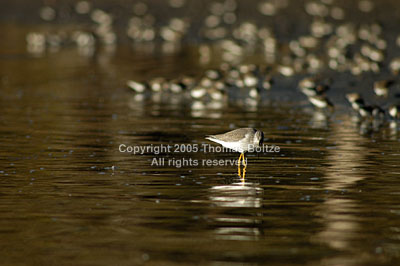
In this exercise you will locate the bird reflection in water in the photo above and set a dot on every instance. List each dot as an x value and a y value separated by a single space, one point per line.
242 174
231 225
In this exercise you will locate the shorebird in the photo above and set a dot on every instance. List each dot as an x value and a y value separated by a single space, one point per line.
240 140
321 101
312 87
394 111
355 100
381 88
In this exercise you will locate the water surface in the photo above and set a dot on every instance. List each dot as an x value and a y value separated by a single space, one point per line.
70 197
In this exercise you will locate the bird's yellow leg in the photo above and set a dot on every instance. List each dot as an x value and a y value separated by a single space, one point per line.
244 168
240 157
239 164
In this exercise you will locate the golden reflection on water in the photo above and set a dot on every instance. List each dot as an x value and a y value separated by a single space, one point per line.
338 213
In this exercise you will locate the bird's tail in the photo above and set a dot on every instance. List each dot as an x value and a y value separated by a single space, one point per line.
209 137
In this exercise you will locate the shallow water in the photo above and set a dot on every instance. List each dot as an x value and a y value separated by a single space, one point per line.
69 196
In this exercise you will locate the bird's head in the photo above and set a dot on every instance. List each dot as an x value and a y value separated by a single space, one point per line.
258 138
